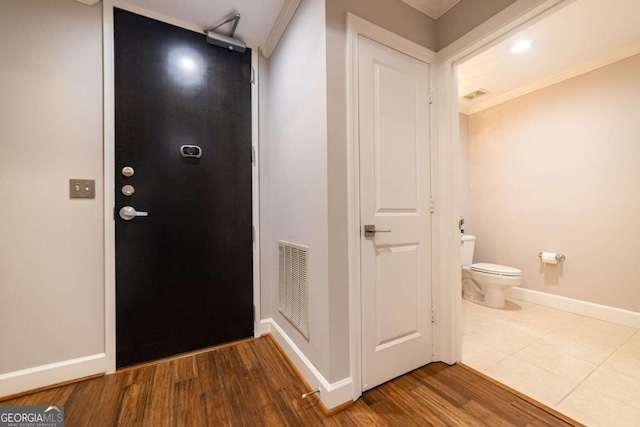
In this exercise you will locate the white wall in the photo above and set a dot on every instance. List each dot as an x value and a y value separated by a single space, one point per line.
51 247
298 169
557 170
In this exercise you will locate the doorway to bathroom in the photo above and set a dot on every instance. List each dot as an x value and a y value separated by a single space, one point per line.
546 156
183 191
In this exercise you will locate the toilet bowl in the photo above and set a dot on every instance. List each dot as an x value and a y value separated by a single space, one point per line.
485 283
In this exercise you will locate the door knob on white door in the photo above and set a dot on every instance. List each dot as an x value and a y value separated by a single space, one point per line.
128 213
370 230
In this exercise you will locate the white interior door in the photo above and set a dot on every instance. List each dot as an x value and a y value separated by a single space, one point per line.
393 105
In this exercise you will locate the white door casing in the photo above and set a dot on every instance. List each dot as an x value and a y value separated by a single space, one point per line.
394 157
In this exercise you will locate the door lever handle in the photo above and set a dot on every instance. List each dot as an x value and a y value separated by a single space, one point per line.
128 213
370 230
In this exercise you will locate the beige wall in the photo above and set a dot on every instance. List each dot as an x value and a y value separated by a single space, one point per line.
464 17
394 15
558 170
51 247
463 167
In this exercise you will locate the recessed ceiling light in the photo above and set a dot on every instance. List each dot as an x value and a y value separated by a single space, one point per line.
521 46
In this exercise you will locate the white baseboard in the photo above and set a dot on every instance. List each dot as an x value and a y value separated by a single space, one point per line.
331 394
598 311
264 328
54 373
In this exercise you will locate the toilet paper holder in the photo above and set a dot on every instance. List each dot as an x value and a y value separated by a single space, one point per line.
559 257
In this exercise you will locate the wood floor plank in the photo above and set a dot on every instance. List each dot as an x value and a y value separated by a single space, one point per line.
251 384
189 407
134 402
493 397
57 396
410 403
103 397
289 388
445 410
160 396
484 414
429 377
230 377
218 408
361 415
390 412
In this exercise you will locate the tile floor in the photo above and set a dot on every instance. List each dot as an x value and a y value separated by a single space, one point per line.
585 368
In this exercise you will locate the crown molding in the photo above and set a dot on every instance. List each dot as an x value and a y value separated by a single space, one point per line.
282 21
433 8
576 71
89 2
463 109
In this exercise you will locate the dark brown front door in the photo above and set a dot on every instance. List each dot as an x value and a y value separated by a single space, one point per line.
183 124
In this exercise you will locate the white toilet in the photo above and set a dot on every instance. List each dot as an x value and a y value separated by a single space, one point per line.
485 283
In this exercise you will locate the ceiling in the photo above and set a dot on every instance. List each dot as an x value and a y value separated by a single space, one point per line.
432 8
585 35
257 16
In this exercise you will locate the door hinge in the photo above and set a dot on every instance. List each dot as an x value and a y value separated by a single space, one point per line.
433 315
253 155
254 313
432 206
430 96
253 75
253 234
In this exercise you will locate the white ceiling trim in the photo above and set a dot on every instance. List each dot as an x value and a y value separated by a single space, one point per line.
282 21
432 8
615 56
89 2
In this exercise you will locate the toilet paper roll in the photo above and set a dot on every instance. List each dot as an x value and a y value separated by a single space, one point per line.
549 258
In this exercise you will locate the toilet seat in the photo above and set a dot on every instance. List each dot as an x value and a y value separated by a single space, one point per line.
495 269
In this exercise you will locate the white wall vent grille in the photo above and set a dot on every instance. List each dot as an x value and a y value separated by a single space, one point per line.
293 289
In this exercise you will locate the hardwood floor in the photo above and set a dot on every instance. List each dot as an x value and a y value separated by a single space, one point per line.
250 384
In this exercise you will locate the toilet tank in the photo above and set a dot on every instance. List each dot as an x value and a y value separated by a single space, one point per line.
467 245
